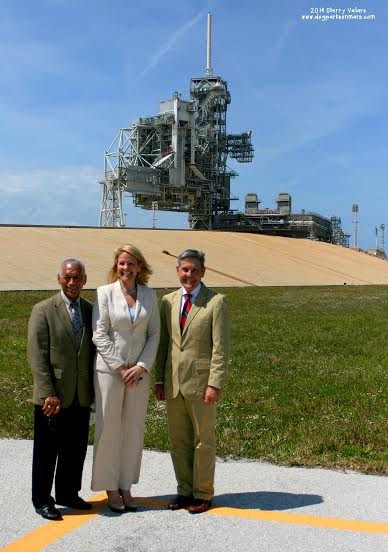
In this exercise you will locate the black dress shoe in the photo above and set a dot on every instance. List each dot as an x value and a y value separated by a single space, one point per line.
48 511
75 502
180 502
199 506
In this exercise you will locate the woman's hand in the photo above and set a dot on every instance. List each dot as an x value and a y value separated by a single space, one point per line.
132 376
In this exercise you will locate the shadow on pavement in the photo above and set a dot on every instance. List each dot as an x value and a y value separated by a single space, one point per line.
143 503
265 500
98 506
259 500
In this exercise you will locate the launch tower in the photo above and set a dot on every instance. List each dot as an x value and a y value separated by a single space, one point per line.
177 159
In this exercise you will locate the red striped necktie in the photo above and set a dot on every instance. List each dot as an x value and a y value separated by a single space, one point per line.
185 311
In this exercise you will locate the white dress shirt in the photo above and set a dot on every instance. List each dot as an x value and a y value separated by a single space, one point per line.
193 297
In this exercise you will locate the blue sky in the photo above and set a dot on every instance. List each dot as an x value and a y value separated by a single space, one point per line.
313 93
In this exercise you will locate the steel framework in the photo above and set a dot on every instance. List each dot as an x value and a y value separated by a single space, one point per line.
177 158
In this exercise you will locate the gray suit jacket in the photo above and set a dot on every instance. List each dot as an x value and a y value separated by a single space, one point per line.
58 367
199 357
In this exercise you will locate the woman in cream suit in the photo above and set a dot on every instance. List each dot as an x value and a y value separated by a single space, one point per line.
126 330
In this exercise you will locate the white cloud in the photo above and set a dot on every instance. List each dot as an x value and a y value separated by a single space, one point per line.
170 43
69 196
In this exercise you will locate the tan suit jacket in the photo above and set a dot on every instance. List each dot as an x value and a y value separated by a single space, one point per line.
59 368
199 357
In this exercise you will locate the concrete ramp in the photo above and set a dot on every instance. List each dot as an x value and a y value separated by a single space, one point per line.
31 256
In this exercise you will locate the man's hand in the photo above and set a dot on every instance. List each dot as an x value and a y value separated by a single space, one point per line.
211 395
51 405
159 391
132 376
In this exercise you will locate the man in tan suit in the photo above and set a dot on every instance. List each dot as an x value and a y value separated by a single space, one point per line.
190 369
61 354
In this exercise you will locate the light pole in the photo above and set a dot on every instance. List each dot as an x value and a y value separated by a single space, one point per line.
355 222
382 227
154 206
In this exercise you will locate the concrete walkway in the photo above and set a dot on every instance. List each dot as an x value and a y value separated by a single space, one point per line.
258 507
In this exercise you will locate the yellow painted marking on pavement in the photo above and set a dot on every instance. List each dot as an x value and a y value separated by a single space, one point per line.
54 530
300 519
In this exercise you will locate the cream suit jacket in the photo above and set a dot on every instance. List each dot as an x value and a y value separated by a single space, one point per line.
199 357
119 340
59 368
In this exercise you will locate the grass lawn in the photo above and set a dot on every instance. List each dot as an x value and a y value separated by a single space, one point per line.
307 383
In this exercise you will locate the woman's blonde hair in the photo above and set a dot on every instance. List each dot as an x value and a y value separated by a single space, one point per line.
145 272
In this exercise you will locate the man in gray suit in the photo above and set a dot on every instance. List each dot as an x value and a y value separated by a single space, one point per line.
190 369
61 353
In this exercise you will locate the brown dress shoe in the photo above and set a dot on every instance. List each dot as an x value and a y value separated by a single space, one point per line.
199 505
180 502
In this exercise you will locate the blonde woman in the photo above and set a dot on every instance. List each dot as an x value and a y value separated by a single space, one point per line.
126 330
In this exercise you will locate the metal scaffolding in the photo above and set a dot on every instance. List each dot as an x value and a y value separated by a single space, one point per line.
178 157
177 160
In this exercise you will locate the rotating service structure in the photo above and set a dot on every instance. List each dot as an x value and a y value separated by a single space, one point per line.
177 159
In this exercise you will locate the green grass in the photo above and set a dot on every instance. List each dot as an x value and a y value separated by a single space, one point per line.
307 382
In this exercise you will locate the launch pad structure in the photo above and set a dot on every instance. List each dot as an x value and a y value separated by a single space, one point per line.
177 161
177 158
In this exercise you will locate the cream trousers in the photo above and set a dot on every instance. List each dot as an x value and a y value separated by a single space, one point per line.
119 431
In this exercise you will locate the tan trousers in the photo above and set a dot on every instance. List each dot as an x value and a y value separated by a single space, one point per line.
119 432
191 426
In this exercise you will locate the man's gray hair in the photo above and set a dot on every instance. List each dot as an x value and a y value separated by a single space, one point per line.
72 261
192 254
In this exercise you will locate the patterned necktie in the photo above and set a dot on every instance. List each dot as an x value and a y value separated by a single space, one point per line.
185 311
76 322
